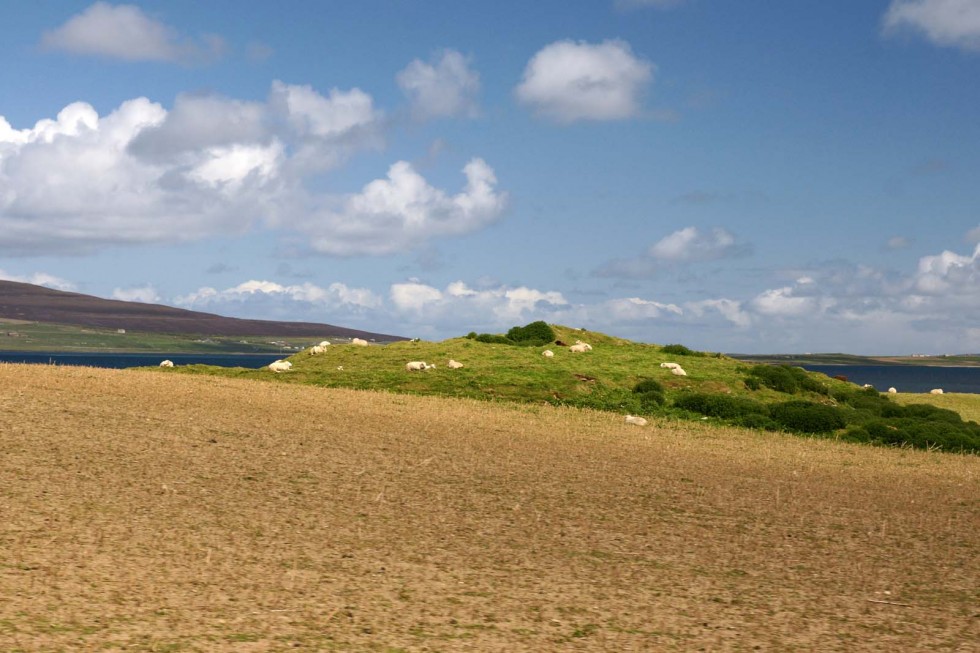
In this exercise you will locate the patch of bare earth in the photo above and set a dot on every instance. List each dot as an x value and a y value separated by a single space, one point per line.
158 512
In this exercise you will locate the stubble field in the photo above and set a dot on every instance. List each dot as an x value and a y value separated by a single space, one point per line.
162 512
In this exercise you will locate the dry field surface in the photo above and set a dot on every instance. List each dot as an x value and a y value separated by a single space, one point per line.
156 512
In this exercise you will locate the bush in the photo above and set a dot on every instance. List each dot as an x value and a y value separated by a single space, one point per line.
807 417
679 350
752 383
537 332
756 421
783 378
718 405
919 433
651 393
531 335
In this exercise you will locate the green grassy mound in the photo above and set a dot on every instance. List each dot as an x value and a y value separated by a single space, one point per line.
626 377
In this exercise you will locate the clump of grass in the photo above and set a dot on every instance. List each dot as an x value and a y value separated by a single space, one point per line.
720 405
807 417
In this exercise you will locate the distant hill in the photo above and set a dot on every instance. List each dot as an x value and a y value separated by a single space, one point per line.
24 301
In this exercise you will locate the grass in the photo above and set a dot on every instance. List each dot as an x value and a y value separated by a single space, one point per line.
18 335
603 379
152 511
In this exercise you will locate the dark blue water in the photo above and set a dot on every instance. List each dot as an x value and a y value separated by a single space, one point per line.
907 378
118 361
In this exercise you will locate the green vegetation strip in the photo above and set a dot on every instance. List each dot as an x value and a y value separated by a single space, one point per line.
627 378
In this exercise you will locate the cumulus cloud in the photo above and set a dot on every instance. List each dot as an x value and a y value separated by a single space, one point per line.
404 210
948 23
215 165
125 32
39 279
446 87
568 81
146 294
684 246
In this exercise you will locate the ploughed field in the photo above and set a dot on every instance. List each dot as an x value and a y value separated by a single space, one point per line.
163 512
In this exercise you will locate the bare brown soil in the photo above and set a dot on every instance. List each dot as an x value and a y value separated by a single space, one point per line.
157 512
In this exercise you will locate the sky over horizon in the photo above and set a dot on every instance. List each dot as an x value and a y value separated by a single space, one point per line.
741 177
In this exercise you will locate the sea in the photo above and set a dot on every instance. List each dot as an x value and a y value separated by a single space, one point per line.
122 360
907 378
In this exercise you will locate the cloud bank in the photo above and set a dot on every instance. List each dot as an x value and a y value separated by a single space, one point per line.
219 166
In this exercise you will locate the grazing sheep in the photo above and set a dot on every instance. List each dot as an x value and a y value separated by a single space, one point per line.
358 342
417 366
670 366
547 353
936 391
166 363
639 421
454 365
867 385
280 366
678 371
340 368
324 343
317 349
892 391
579 348
587 346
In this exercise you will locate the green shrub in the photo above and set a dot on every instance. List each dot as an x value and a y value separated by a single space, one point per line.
494 339
471 335
753 383
807 417
651 393
537 332
783 378
756 421
648 385
719 405
679 350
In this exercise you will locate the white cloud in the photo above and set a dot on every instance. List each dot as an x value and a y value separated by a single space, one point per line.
39 279
146 294
691 244
219 166
953 23
568 81
441 89
684 246
125 32
897 242
403 210
973 235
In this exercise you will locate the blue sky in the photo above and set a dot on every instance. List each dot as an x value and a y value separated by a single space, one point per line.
740 177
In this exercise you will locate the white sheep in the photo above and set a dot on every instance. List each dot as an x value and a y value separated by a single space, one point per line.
454 365
324 343
670 366
340 368
678 371
547 353
639 421
936 391
892 391
587 346
280 366
358 342
579 348
166 363
317 349
417 366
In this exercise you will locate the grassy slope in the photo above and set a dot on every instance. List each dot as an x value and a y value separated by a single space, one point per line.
158 512
35 336
512 373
